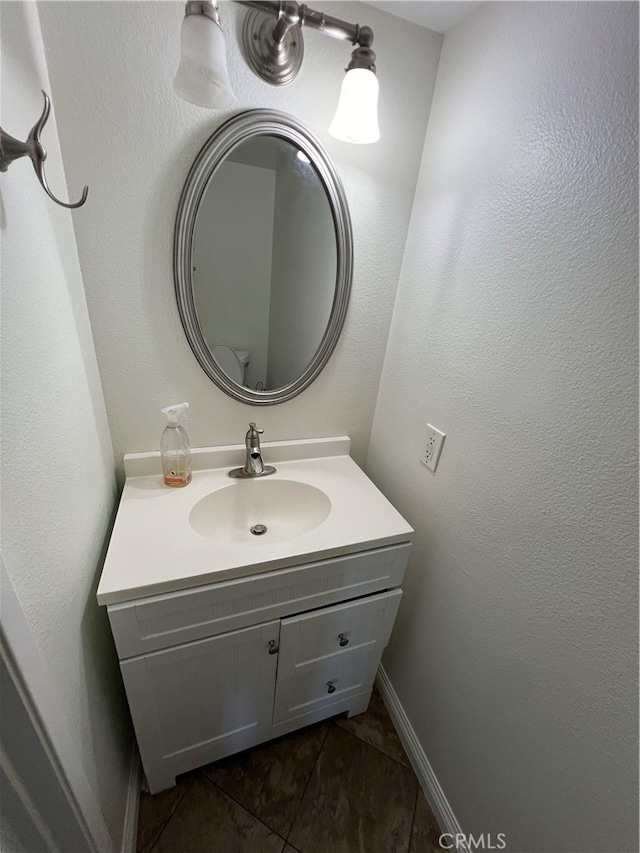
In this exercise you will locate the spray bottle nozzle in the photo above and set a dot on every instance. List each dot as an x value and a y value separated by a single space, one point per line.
175 412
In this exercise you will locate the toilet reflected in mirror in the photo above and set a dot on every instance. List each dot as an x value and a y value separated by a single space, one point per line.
233 362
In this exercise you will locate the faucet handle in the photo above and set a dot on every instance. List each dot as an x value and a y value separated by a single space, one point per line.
253 464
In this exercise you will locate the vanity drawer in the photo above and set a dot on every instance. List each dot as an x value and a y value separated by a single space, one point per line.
314 670
160 621
342 630
324 683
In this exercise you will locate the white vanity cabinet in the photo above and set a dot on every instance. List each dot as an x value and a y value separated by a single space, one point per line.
194 703
215 669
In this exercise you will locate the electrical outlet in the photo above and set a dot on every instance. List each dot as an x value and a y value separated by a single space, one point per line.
433 441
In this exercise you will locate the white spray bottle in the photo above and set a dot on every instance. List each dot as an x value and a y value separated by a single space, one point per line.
175 449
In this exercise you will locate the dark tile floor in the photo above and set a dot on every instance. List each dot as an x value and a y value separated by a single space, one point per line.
341 786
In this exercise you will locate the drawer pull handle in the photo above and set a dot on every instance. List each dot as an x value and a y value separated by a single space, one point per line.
331 687
273 647
343 640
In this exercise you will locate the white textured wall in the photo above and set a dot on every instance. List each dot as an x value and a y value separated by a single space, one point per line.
515 332
58 485
125 133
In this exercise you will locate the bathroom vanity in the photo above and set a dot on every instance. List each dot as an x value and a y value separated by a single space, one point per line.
227 639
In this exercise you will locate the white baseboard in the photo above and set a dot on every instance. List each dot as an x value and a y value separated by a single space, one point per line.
130 828
428 780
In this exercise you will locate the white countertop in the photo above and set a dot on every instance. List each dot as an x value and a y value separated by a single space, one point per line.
154 549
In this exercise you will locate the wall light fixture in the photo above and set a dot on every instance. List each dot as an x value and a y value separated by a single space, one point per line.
274 51
202 77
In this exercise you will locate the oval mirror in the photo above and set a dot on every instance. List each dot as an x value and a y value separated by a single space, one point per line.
263 257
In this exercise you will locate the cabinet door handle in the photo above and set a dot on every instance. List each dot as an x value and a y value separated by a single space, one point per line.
273 647
331 687
343 640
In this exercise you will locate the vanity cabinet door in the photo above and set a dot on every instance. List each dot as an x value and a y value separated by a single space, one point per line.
331 654
201 701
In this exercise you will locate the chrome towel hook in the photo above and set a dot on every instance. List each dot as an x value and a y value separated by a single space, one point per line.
11 149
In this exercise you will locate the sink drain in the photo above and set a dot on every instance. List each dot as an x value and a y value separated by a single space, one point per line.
258 529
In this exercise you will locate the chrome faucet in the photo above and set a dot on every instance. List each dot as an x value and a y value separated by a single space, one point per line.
254 464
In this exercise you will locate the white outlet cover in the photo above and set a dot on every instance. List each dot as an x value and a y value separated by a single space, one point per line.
432 447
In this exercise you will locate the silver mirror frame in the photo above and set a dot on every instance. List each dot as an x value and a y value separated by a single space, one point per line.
228 136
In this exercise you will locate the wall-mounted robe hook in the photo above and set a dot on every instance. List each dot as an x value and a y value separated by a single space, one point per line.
11 149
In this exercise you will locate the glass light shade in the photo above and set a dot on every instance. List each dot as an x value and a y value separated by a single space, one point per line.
356 119
202 77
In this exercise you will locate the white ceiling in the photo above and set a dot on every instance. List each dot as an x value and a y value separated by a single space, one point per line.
438 15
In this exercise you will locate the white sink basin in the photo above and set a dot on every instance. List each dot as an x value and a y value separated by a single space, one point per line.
260 510
317 505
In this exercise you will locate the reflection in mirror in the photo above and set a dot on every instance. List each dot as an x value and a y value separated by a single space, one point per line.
263 257
264 263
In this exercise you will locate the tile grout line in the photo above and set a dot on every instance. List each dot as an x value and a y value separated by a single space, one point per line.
410 769
304 791
413 822
381 751
150 847
243 807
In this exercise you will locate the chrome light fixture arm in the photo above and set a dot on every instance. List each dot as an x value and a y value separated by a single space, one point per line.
208 8
11 149
275 52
